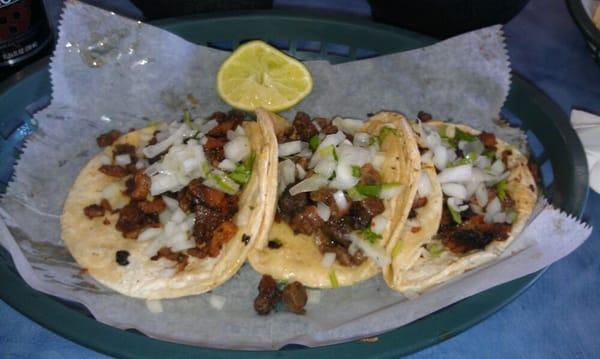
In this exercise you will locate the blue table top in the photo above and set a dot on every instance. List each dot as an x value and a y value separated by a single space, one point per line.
557 316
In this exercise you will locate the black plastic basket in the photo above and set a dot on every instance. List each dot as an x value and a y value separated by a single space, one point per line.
587 27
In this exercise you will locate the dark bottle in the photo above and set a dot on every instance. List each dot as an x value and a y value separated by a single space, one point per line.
24 34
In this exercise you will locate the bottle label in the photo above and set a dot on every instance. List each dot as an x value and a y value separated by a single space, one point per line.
23 29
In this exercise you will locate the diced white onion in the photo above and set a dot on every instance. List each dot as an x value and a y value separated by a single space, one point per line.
456 204
328 259
140 164
162 183
481 194
361 139
389 191
164 216
378 223
477 209
450 131
454 190
300 172
440 157
217 301
171 203
149 234
154 306
314 296
378 160
175 138
325 167
499 217
111 190
483 162
352 249
341 201
348 125
189 165
178 216
286 173
208 125
353 155
494 206
424 187
203 140
433 140
460 173
497 167
309 184
123 160
377 254
237 149
290 148
323 211
227 165
105 160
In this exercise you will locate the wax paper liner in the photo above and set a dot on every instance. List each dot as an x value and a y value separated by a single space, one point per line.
110 72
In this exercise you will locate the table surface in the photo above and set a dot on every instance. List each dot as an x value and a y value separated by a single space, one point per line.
557 316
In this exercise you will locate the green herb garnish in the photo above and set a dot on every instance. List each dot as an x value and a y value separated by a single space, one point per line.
355 195
463 136
467 159
384 132
397 248
501 189
187 119
455 215
221 182
242 172
434 248
356 171
369 190
369 235
489 153
314 143
333 279
373 140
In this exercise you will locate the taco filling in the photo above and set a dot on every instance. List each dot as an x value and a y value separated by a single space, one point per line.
182 184
477 208
330 187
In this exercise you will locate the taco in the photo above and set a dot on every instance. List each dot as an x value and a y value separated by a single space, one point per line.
172 210
475 195
343 187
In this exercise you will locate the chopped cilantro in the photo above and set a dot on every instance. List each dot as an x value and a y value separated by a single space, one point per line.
464 136
435 248
397 248
384 132
369 235
356 171
314 142
501 189
242 172
369 190
455 215
333 279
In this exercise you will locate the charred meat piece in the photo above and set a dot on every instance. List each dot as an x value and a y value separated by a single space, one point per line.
306 221
336 229
179 257
288 205
198 252
93 211
417 203
325 195
343 256
108 138
141 188
424 116
472 234
106 205
362 212
121 257
213 148
369 175
223 233
268 295
326 126
124 148
207 220
114 170
294 296
488 140
156 206
226 125
132 220
218 116
304 127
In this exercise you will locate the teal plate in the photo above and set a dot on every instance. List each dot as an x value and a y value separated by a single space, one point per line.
555 147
